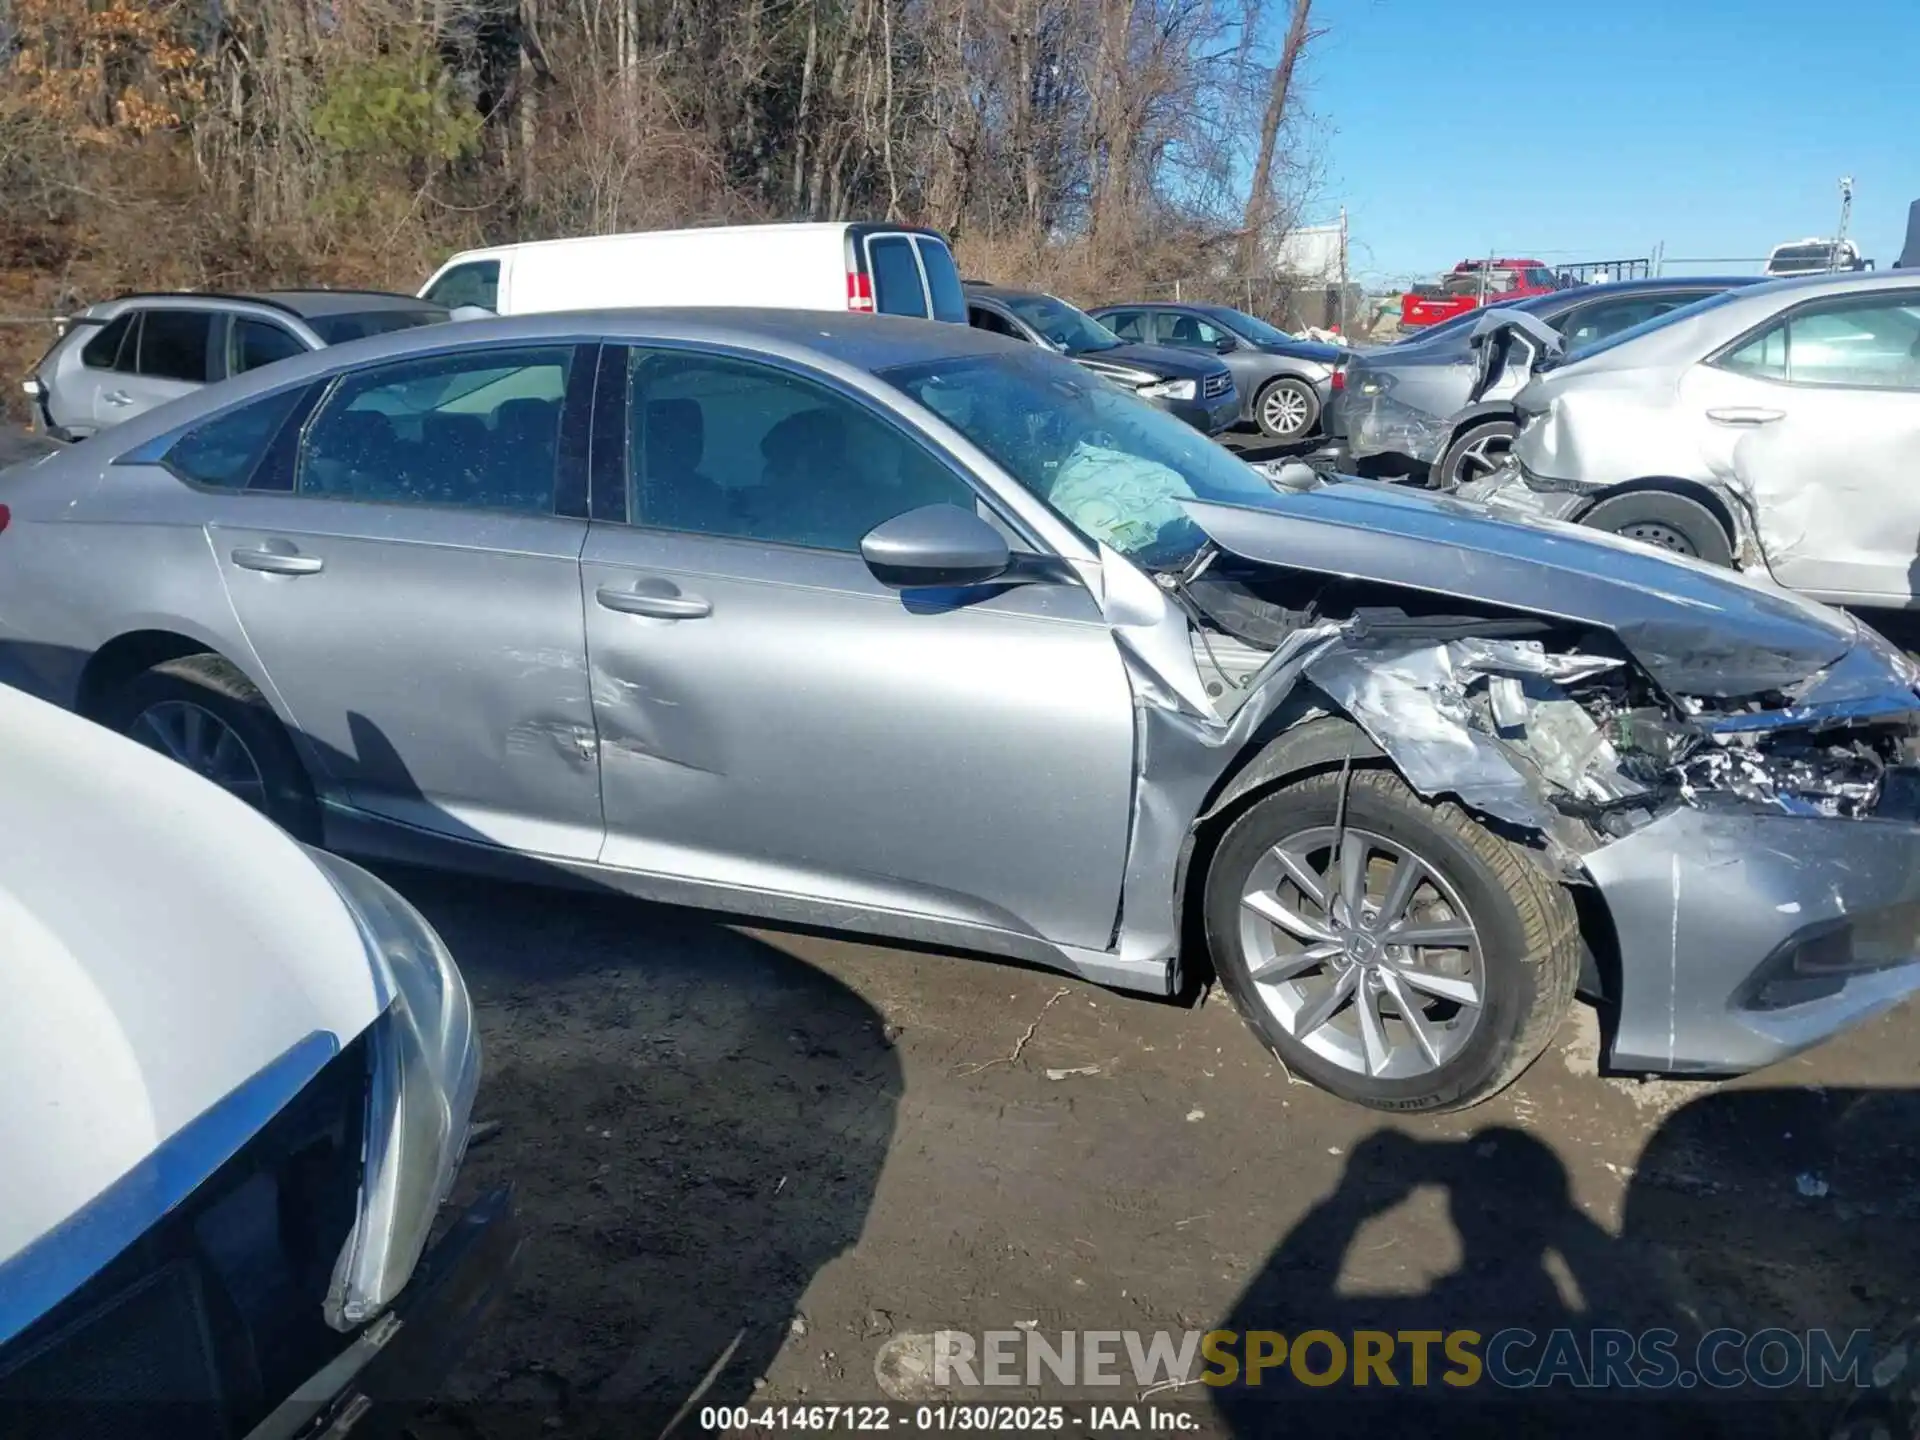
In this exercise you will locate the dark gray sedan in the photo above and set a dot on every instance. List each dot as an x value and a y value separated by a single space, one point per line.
918 632
1284 382
1196 388
1427 407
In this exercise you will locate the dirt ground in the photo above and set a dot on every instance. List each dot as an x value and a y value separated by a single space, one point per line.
791 1150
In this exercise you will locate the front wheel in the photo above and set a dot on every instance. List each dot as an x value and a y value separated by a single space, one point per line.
1392 950
1287 409
1668 521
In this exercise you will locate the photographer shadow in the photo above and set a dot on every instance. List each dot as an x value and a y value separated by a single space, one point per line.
1749 1209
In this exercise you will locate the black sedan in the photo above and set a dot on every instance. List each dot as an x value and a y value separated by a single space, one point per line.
1196 389
1411 408
1284 382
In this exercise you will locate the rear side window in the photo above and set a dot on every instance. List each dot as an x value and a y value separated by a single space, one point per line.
173 345
943 280
896 278
259 342
1868 343
225 451
102 352
1127 324
477 283
339 329
479 431
981 318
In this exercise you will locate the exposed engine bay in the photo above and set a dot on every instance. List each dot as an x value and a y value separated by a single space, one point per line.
1547 725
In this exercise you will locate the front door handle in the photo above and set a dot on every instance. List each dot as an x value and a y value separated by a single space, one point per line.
1745 415
118 397
278 562
658 606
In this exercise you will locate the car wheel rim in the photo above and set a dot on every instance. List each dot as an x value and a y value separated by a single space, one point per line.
1482 458
1360 949
205 744
1285 410
1651 532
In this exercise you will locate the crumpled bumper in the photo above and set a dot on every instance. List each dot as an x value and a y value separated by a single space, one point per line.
400 1358
1378 425
1744 938
1507 493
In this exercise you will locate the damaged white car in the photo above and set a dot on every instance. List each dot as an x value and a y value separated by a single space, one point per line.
1772 428
910 631
234 1086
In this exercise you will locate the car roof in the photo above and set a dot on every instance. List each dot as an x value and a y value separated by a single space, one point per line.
311 303
1627 289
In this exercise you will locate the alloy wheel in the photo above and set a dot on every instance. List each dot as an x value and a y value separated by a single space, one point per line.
1361 950
205 744
1481 459
1283 411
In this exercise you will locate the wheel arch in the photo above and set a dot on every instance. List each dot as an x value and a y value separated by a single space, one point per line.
1478 413
117 662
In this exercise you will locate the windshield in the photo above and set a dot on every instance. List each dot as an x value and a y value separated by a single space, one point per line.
1254 328
1060 325
338 329
1658 322
1112 466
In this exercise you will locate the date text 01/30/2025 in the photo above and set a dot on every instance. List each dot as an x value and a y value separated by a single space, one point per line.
978 1419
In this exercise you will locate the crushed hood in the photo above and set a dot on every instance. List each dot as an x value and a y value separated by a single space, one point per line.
161 944
1696 629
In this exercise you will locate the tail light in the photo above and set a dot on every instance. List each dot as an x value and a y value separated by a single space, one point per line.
6 516
859 292
1339 380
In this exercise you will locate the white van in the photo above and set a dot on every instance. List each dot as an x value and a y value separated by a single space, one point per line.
891 269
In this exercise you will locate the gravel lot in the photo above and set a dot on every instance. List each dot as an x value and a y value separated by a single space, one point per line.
803 1148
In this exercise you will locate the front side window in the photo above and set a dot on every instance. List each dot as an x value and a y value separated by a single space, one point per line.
254 343
173 345
479 431
1112 466
1869 343
339 329
981 318
1063 327
1190 332
477 283
725 447
225 451
896 277
103 351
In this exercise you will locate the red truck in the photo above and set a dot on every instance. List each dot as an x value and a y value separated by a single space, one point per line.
1471 284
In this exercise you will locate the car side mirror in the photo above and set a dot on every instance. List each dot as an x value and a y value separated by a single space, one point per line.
936 545
1226 345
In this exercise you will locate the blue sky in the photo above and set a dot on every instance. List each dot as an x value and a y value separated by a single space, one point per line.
1566 131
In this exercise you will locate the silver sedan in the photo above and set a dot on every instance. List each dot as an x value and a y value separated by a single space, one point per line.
912 631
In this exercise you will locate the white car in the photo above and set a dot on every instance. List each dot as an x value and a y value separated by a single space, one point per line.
235 1080
874 269
1772 427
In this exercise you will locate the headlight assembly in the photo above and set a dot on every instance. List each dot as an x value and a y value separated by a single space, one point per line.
1168 390
424 1070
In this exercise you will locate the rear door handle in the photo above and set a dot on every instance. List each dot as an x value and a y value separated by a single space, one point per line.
658 606
118 397
1745 415
278 562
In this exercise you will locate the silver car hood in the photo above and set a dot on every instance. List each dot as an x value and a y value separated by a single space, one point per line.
1696 629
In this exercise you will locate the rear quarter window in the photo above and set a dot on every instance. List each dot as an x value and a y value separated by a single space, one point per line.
102 352
225 451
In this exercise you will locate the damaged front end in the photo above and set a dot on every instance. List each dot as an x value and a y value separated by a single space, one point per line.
1733 774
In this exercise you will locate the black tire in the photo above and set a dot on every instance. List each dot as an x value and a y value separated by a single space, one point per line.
1529 948
1488 438
1670 521
1301 391
216 686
